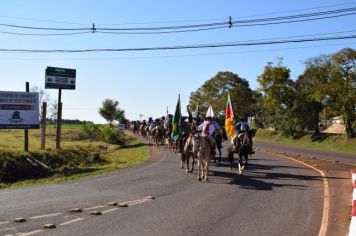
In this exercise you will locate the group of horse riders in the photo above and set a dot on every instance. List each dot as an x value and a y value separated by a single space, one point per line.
160 131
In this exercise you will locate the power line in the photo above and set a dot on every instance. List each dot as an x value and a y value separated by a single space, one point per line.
180 55
180 47
196 27
44 34
294 21
178 21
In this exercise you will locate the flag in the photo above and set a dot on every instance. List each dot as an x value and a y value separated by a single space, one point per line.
229 118
175 122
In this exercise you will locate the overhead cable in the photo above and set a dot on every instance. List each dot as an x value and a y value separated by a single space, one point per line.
213 45
206 26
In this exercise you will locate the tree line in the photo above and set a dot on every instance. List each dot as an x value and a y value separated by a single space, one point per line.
328 84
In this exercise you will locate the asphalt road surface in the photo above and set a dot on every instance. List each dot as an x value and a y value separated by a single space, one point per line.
274 196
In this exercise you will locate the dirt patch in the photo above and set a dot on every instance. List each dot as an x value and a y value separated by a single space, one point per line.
338 175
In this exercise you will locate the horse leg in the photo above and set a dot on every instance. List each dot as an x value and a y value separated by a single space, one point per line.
193 161
207 169
181 160
219 149
199 166
187 159
246 159
230 156
241 164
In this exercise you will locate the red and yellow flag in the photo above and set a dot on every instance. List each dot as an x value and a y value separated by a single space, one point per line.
229 119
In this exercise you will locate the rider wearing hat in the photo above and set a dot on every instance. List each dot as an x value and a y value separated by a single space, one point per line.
243 128
208 127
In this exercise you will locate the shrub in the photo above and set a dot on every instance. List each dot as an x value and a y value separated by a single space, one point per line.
112 136
90 131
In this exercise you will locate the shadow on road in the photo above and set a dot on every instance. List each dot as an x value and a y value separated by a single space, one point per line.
259 177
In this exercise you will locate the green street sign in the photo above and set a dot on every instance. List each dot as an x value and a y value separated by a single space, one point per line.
60 78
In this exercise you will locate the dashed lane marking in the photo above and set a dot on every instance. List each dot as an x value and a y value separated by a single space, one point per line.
134 202
137 202
95 207
29 233
71 221
4 222
110 210
47 215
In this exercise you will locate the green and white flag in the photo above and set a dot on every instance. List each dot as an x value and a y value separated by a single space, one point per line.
175 122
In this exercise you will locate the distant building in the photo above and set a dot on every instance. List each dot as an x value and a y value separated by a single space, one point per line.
336 120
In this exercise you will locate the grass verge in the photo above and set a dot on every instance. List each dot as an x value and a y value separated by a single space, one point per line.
323 141
111 157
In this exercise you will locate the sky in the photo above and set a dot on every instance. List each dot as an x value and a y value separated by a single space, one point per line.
146 83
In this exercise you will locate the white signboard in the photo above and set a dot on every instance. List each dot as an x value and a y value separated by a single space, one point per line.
19 110
121 127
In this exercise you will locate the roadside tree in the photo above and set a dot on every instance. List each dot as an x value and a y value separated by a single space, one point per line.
110 111
214 91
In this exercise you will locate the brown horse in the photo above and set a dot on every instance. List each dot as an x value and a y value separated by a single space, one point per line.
218 136
157 135
204 156
191 149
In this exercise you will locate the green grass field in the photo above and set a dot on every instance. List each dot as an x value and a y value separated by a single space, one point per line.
324 141
115 157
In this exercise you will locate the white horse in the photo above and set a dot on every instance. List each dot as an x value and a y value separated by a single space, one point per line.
204 156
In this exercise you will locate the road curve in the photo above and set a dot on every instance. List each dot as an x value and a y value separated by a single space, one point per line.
275 196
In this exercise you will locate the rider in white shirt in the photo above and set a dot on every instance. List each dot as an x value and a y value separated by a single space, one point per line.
208 127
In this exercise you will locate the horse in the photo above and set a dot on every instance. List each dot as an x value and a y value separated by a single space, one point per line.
191 149
218 136
142 129
242 147
157 135
204 156
134 127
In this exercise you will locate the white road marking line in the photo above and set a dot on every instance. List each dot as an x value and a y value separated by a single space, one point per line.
137 202
95 207
47 215
4 222
71 221
110 210
129 202
326 207
30 233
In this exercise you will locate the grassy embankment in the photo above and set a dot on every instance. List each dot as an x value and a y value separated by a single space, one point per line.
324 141
78 157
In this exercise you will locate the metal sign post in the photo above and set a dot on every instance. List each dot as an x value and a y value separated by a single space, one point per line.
60 78
26 130
43 125
59 120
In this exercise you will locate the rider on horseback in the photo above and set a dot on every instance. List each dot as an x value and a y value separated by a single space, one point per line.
243 128
209 127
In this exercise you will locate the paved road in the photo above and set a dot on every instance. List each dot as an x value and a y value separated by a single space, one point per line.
273 197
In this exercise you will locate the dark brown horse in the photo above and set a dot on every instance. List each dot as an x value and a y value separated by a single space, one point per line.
218 136
241 146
